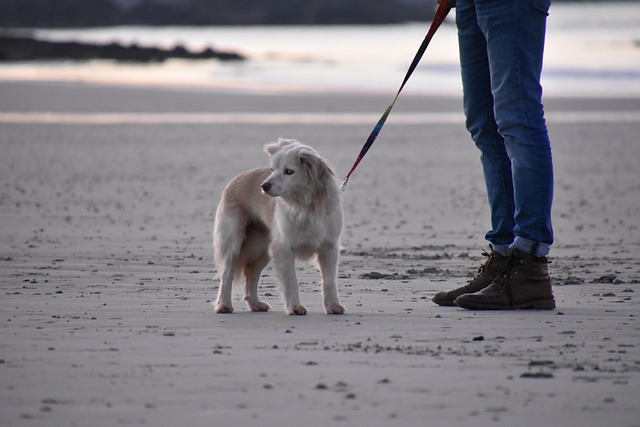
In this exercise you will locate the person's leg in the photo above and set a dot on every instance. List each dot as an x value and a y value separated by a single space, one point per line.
480 121
478 109
515 33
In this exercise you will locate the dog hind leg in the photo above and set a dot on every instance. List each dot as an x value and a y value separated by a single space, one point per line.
226 253
223 302
252 272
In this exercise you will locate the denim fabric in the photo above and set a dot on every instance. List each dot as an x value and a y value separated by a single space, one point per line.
501 48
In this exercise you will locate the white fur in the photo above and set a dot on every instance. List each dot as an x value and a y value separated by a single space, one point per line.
291 211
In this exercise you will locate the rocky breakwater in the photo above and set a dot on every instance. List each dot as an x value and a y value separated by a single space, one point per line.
22 48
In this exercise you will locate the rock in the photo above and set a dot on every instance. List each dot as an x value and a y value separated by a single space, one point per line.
15 48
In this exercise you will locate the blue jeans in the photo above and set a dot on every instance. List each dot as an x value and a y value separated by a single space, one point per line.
501 48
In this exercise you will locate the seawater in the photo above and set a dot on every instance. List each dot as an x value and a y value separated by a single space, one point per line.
592 49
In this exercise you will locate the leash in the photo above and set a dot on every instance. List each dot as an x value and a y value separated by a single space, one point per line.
441 13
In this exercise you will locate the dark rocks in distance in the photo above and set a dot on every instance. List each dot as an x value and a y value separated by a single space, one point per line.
29 49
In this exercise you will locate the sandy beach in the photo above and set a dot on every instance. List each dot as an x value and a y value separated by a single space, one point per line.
107 201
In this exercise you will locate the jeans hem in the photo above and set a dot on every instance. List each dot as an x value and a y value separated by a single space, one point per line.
527 246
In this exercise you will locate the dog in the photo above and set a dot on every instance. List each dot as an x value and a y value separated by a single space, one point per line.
286 212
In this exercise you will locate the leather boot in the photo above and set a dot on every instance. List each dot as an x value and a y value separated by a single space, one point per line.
486 274
523 283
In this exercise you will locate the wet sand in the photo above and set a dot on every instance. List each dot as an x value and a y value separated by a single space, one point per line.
106 268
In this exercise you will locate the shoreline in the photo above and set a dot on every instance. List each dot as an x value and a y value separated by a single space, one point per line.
98 74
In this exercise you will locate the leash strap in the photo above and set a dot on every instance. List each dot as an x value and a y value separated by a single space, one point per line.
441 13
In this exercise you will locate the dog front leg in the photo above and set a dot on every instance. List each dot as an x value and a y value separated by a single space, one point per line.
284 262
328 263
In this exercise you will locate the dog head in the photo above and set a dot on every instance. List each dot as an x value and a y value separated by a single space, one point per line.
297 171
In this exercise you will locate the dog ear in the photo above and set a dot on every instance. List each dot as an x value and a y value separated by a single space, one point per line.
316 167
274 147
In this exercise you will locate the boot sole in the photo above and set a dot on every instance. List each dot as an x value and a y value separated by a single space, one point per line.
548 304
444 303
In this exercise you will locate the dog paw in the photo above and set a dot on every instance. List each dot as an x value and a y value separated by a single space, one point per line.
334 308
297 310
259 306
223 309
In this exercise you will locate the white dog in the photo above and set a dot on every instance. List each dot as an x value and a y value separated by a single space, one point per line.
291 210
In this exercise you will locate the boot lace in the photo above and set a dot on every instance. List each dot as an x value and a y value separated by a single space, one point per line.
504 275
480 271
483 267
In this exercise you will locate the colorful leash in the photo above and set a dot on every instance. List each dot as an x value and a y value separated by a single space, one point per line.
441 13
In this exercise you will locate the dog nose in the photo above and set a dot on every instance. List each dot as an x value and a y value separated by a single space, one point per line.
266 186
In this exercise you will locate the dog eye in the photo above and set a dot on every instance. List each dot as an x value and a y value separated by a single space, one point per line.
289 171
